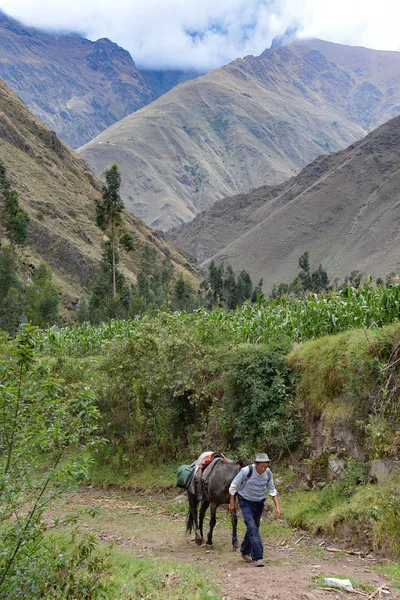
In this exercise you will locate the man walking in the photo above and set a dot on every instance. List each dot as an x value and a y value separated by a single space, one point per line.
250 484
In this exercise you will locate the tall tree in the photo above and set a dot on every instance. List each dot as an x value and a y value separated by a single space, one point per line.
11 299
41 300
108 217
14 219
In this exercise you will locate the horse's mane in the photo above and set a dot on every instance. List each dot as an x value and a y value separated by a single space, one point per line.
244 462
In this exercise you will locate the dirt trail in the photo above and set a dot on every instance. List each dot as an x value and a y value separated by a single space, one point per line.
154 526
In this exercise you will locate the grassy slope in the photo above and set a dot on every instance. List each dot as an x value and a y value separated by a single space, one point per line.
58 190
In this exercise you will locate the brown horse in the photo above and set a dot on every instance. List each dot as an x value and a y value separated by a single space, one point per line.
217 493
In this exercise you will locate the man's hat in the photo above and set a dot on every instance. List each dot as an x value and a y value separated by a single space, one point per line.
261 458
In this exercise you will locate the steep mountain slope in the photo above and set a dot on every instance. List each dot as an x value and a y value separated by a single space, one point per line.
343 208
254 122
58 191
75 86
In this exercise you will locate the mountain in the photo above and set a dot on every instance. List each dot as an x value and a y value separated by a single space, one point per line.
58 191
343 208
256 121
75 86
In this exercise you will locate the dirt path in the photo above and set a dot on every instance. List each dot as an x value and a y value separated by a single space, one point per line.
154 527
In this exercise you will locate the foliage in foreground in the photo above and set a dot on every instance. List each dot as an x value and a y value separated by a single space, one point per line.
38 419
151 579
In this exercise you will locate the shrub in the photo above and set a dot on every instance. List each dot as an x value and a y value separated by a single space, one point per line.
38 427
258 400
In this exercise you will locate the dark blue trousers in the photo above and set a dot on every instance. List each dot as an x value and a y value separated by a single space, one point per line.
251 512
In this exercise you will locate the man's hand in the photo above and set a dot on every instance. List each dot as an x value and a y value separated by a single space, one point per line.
278 514
232 503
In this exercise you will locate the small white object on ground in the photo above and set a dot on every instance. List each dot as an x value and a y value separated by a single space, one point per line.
344 584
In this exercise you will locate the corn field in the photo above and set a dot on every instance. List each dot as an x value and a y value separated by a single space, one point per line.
297 318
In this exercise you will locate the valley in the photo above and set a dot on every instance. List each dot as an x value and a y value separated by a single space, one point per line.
215 268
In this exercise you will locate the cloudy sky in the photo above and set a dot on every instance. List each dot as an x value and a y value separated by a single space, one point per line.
204 34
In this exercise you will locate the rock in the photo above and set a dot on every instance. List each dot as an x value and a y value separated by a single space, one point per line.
336 468
344 584
383 469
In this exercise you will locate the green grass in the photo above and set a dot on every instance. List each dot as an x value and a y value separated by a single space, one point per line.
369 508
391 570
149 479
152 579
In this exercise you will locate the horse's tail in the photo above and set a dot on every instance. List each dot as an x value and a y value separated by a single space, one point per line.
189 524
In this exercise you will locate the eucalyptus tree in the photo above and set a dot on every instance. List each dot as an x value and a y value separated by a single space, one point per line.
109 217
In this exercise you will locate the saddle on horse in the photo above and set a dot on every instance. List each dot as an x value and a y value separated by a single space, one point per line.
204 466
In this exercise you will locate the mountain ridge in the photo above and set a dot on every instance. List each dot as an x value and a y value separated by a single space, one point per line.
76 86
255 121
342 207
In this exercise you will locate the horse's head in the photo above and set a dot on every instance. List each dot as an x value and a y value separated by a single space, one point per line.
244 462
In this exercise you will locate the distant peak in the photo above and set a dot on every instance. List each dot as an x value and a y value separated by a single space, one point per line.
284 38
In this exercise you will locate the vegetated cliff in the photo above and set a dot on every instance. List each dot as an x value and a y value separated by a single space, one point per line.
343 208
347 392
75 86
256 121
58 191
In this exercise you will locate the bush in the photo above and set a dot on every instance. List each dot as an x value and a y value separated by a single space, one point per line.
258 405
38 428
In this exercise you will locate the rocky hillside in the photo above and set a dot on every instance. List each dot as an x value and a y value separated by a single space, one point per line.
343 208
256 121
58 191
75 86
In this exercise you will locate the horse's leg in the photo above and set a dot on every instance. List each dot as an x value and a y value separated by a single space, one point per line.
235 542
193 514
204 505
213 520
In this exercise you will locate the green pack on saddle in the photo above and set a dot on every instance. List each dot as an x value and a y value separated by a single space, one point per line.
184 476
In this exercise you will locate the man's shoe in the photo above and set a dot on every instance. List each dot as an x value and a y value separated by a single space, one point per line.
246 557
259 563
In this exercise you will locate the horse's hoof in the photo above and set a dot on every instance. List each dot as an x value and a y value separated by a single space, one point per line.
235 548
209 547
198 538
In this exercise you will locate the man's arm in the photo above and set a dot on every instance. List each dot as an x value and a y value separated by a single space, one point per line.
274 495
277 507
236 483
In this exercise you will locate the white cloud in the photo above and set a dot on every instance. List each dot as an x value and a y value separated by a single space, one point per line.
208 33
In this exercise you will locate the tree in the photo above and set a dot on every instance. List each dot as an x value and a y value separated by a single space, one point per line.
354 278
244 287
14 219
42 298
305 281
102 305
108 217
183 298
319 280
82 312
11 300
304 277
229 288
